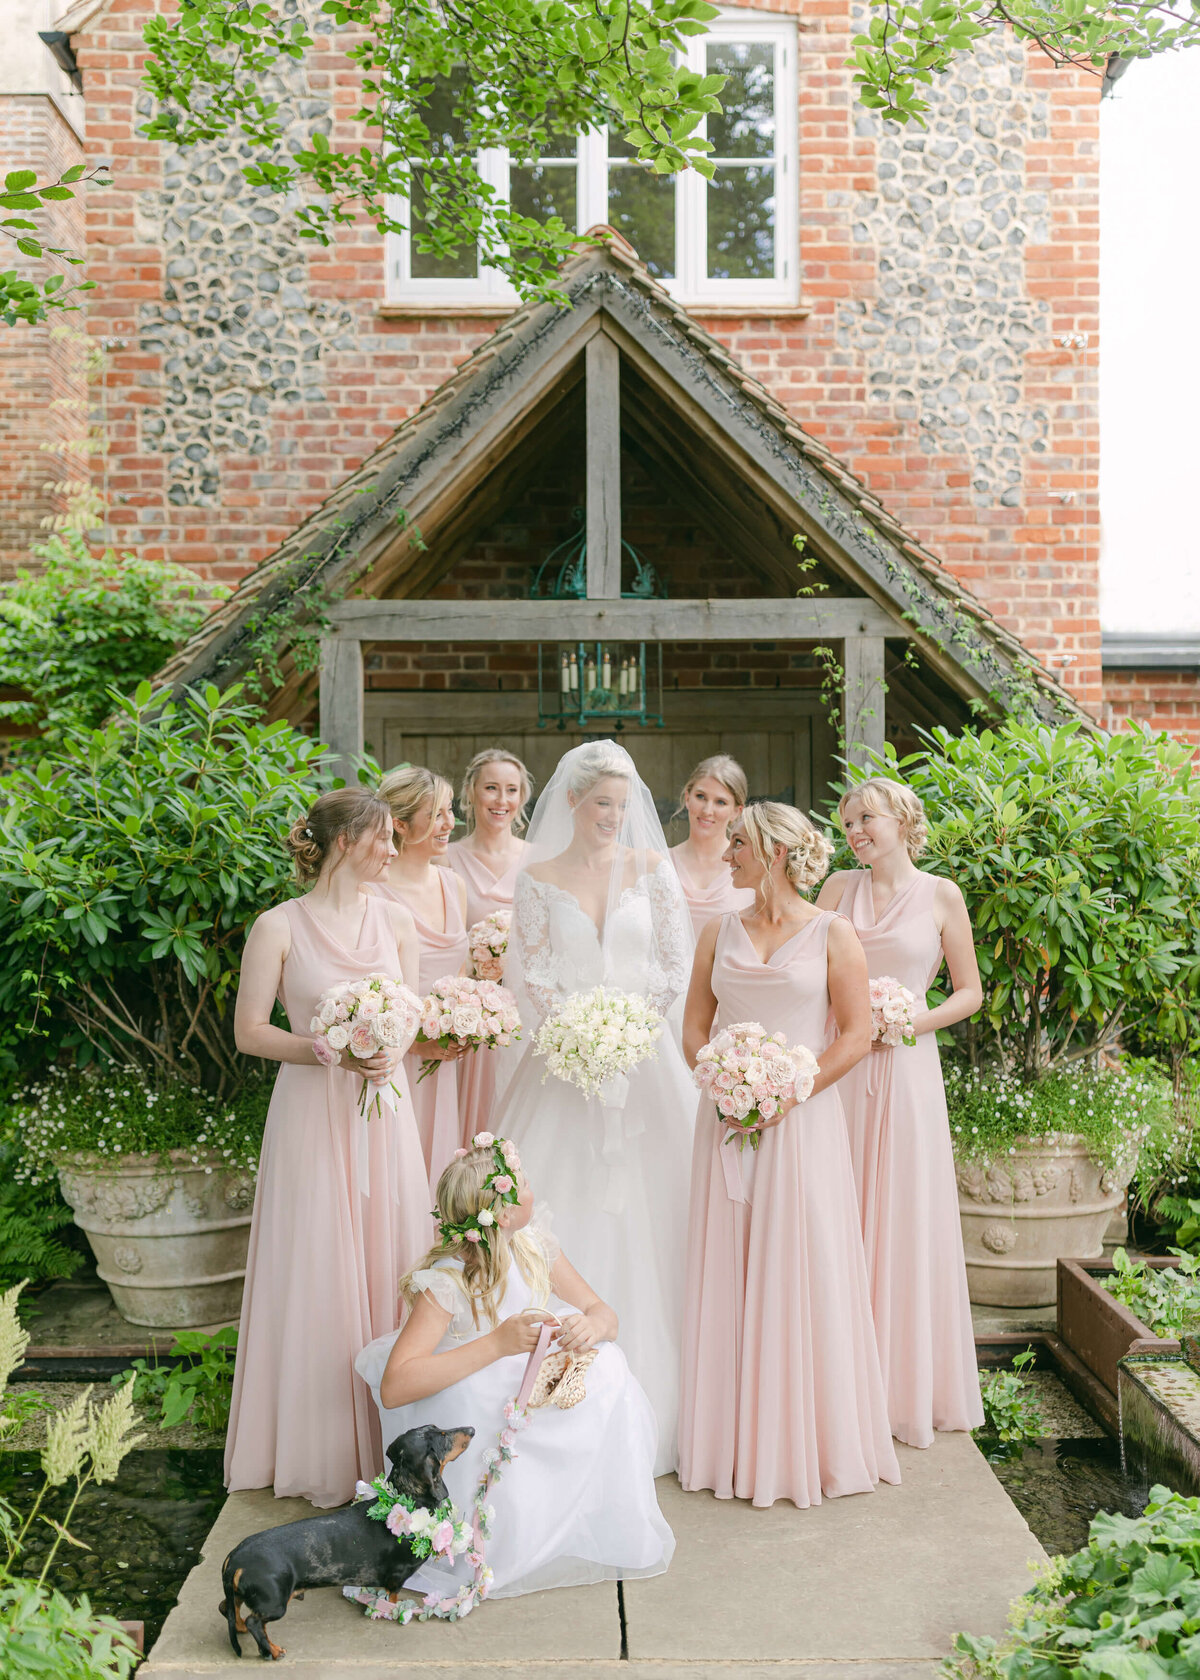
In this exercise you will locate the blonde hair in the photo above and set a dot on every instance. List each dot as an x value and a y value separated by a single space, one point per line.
460 1195
410 787
466 794
596 761
768 823
721 768
350 812
884 798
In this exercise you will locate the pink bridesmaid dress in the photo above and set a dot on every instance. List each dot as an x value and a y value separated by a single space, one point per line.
340 1212
904 1166
782 1396
435 1099
717 899
484 1075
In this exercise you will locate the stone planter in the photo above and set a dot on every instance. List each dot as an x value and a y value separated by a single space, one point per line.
169 1237
1021 1214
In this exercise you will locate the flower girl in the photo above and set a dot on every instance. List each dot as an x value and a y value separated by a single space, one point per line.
578 1504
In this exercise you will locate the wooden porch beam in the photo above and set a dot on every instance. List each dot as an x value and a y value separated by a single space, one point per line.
785 620
863 692
603 373
341 703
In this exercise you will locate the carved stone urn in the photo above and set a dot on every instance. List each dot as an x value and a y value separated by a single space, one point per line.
169 1235
1019 1214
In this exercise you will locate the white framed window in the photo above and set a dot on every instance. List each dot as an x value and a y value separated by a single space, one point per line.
726 242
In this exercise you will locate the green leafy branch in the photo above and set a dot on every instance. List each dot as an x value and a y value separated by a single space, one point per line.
23 299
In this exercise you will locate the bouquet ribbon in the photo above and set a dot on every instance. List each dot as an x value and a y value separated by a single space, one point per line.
619 1126
731 1166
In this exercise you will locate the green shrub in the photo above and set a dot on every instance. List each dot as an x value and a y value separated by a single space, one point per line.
132 860
1075 852
992 1112
109 1112
82 625
32 1220
1127 1606
1010 1413
1166 1298
201 1389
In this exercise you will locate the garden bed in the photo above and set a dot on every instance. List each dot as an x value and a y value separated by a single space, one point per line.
1096 1328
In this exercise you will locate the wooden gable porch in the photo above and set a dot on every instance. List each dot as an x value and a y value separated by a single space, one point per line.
623 406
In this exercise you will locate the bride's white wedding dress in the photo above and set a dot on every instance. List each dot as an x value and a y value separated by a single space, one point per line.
616 1166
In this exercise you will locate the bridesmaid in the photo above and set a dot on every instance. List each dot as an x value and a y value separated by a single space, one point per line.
713 797
423 820
341 1208
896 1114
496 788
782 1395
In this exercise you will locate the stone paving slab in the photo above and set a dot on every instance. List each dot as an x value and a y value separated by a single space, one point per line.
864 1588
884 1575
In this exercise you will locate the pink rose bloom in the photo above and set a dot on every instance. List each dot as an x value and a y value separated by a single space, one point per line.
399 1521
342 1010
508 1437
724 1081
768 1108
473 1236
483 1140
325 1053
369 1004
442 1537
726 1105
504 1184
363 1042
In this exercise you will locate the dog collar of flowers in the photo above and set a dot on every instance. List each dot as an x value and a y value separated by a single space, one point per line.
501 1181
439 1533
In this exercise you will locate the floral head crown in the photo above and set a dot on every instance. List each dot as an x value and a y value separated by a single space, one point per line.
501 1182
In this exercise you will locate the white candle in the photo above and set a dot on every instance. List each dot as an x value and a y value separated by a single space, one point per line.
574 675
565 675
607 669
591 675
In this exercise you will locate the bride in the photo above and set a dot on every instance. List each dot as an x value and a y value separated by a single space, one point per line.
598 903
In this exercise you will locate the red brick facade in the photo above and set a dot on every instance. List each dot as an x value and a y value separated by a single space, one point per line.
1031 551
43 389
1167 700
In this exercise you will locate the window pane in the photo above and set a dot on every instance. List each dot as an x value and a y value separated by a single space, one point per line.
446 134
641 206
543 190
741 224
746 126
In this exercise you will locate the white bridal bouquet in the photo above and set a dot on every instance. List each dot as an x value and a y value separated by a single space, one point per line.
488 941
478 1014
595 1035
361 1017
892 1012
751 1075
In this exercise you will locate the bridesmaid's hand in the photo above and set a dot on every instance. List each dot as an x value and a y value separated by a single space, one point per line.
379 1068
578 1334
442 1052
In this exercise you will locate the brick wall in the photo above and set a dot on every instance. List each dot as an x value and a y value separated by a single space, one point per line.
1167 700
976 428
43 391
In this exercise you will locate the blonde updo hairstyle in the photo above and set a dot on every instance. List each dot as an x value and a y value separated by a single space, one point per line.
345 814
885 798
406 790
769 824
471 775
596 762
719 768
460 1194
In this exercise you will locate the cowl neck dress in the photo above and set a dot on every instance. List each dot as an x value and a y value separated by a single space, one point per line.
435 1100
341 1210
782 1396
483 1077
904 1168
718 898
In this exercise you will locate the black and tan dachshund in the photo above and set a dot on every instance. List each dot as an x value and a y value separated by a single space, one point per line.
264 1571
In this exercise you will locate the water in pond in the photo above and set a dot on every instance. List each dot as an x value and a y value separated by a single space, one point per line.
1059 1485
145 1529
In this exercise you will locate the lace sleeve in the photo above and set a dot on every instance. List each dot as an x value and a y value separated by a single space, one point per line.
530 935
671 966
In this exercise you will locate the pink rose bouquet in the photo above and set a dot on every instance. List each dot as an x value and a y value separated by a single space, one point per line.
892 1012
476 1014
358 1019
487 942
752 1075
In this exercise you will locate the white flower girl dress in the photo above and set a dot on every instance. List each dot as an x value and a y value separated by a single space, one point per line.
577 1504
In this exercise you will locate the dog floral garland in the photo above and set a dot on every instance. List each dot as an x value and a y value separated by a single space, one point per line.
444 1534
